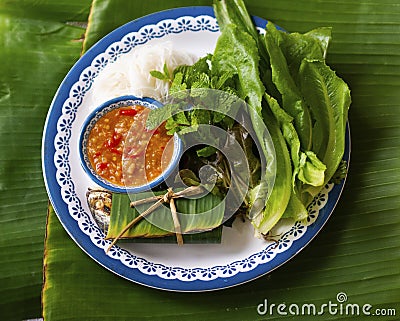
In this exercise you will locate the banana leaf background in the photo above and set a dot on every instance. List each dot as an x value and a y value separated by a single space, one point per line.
357 252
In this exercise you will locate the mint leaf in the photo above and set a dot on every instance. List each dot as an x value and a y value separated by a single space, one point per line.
166 71
206 151
159 75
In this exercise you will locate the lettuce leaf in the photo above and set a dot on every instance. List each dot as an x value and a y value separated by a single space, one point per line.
329 99
237 51
283 59
290 94
279 196
311 45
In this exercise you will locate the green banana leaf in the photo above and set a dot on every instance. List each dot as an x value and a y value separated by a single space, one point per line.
356 253
39 41
149 229
103 19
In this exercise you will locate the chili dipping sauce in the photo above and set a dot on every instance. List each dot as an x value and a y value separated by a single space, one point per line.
122 151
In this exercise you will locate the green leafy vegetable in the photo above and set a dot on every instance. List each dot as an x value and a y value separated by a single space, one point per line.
283 59
206 151
279 197
311 169
165 75
189 178
289 89
292 100
340 173
295 207
329 100
236 51
247 144
235 12
296 47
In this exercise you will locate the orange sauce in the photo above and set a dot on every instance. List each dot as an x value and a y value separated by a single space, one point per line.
122 151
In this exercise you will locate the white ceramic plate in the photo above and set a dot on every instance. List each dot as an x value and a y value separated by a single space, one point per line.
240 257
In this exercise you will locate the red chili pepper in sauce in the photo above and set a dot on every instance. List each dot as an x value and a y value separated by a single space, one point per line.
128 112
113 141
101 166
117 138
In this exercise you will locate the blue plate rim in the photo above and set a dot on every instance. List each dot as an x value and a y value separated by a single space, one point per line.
84 242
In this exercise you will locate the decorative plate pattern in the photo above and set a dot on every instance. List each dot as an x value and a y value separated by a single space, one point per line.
65 190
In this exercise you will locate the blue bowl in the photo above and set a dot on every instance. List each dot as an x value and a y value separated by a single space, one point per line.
91 121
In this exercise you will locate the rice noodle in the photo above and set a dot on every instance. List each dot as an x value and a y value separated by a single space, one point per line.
130 74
